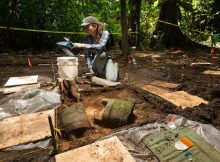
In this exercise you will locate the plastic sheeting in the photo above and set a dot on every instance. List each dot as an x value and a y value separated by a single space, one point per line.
29 101
41 144
26 102
133 137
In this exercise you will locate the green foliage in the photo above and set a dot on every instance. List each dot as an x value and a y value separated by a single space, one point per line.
193 14
55 15
67 15
4 8
186 6
198 19
149 16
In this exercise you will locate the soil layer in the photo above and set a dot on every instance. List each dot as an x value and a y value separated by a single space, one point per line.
164 66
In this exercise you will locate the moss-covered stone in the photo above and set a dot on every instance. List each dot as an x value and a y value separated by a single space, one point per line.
117 111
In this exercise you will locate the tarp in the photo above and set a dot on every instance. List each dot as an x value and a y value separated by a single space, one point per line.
29 101
133 137
181 144
25 102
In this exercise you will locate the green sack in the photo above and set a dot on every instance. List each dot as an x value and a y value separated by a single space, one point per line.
162 144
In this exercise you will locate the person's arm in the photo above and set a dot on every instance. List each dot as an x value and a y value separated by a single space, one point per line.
102 42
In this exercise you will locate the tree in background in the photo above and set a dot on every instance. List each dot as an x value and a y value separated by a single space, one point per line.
171 35
215 22
198 19
67 15
53 15
134 21
166 34
124 42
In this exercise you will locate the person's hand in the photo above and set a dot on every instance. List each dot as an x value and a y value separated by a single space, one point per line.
66 38
79 45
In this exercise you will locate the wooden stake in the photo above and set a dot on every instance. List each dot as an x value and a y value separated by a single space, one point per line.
54 78
54 142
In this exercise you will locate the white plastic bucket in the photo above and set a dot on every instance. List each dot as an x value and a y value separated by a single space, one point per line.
67 67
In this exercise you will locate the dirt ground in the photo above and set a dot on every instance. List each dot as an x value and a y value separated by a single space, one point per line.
165 66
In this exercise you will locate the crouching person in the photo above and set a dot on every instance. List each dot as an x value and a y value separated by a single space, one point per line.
98 59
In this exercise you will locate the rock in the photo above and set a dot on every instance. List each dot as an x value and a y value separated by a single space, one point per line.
117 112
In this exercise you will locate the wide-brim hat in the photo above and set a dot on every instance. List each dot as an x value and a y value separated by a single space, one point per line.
90 20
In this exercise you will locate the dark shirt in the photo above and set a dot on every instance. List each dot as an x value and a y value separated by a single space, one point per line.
91 43
92 47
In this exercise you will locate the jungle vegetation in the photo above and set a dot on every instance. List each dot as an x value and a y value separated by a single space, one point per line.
145 24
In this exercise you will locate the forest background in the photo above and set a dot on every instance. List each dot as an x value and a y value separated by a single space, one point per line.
155 24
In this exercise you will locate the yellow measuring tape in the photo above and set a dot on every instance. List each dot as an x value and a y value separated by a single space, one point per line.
49 31
83 33
183 28
41 31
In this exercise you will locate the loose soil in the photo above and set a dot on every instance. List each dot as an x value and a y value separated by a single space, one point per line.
164 66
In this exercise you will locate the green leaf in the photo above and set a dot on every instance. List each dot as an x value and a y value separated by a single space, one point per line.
186 6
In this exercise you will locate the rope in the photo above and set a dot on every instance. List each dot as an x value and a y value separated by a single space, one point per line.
41 31
83 33
49 31
165 22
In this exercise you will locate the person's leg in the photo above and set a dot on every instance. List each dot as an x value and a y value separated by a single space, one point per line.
98 64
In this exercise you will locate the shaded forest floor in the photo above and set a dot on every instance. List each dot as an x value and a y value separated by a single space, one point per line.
175 67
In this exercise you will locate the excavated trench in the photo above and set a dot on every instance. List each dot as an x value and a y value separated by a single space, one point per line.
148 107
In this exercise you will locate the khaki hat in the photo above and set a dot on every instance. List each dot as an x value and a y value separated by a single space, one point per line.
90 20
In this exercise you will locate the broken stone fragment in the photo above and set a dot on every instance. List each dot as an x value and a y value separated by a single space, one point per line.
117 112
74 118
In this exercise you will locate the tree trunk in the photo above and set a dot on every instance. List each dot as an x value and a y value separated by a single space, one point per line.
215 22
134 17
170 35
124 28
11 11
